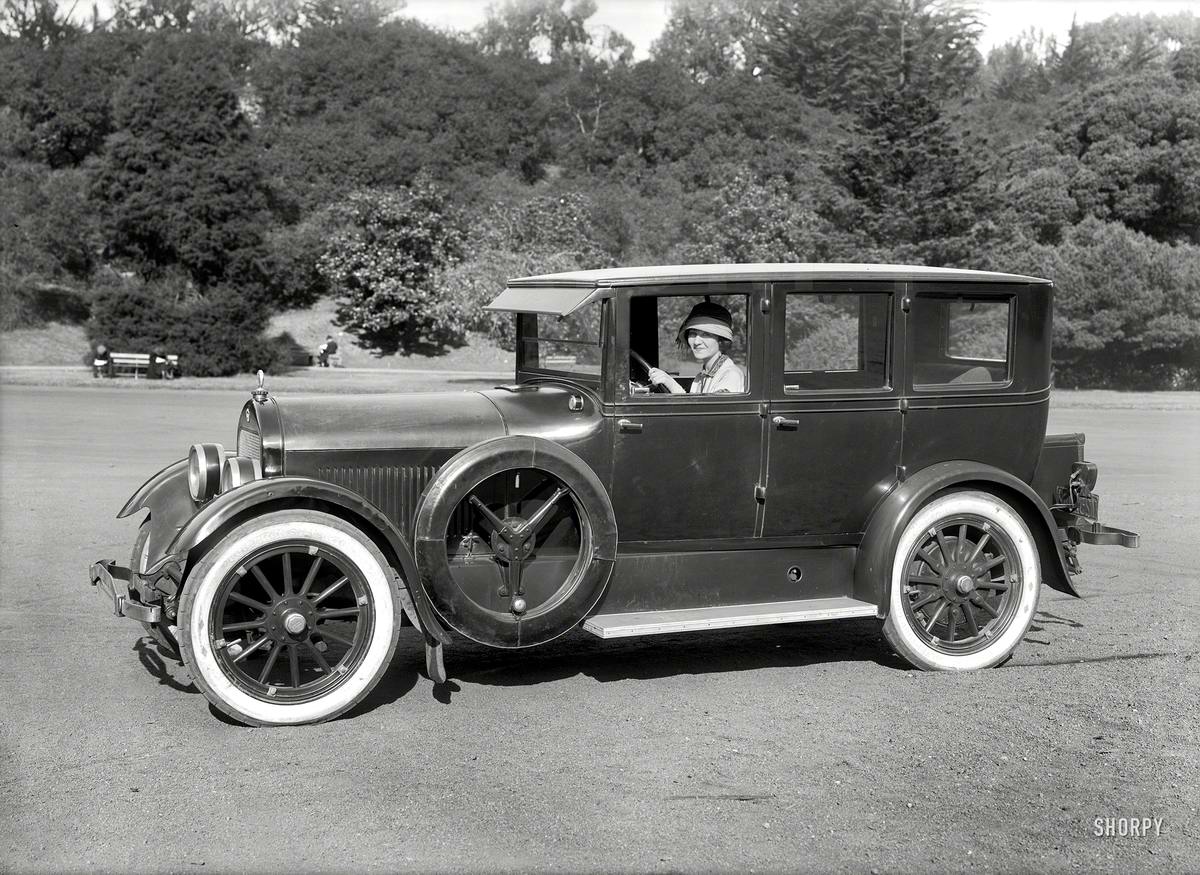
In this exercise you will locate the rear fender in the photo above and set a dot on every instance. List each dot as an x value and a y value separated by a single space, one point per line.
872 571
278 492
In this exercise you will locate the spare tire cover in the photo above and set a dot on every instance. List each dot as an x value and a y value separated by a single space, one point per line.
574 597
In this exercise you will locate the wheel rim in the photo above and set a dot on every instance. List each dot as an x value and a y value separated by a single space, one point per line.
962 585
533 537
292 622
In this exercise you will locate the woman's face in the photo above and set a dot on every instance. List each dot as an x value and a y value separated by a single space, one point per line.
704 345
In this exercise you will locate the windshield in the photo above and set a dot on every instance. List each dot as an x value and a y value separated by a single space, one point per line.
568 344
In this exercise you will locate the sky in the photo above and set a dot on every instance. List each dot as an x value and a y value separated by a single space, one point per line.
642 20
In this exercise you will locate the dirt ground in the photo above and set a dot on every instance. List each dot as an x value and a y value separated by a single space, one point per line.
795 748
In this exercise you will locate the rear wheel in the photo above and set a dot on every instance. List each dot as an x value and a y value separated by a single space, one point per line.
290 618
965 583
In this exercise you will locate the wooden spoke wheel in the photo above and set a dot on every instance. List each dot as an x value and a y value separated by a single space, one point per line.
965 583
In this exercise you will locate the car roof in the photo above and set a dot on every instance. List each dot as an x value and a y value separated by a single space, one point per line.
698 273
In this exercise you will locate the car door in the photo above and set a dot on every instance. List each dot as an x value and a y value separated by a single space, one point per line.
834 423
685 467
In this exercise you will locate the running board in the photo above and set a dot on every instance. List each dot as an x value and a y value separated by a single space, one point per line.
725 617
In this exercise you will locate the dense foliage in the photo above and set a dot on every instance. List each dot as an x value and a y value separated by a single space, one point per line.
229 158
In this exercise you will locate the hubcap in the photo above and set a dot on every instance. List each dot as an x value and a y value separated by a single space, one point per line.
295 623
964 584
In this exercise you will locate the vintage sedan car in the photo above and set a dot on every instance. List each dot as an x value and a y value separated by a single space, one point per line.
879 450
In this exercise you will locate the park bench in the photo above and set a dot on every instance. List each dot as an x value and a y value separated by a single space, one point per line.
335 360
136 364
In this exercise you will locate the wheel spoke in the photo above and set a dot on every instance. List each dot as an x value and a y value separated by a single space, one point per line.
311 576
253 647
987 536
249 602
534 522
242 627
294 663
969 616
925 579
266 672
941 541
287 574
333 587
496 522
320 657
930 561
959 548
997 585
341 639
983 603
934 618
992 563
337 612
933 597
266 584
953 618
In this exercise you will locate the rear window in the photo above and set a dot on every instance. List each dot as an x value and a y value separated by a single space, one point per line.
960 341
835 341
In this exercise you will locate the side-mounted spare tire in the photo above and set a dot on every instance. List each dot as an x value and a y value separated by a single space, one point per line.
515 541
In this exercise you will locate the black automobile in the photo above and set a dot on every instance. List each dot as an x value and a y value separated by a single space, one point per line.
682 449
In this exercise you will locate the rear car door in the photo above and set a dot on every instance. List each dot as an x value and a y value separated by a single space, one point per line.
834 423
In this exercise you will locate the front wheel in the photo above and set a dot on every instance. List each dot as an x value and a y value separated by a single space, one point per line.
965 583
291 618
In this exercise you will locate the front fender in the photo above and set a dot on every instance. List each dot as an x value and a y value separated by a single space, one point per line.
872 571
287 491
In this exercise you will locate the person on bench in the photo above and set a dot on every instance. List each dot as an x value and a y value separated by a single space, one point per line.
102 361
159 367
326 349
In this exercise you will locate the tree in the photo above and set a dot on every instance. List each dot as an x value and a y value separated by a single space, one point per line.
843 54
1136 141
38 23
1127 310
1022 68
180 181
551 30
710 38
382 265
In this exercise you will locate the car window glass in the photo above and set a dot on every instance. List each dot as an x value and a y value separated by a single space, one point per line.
570 344
655 322
835 341
960 341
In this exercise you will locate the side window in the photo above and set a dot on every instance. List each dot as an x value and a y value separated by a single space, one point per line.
960 340
699 341
570 344
835 341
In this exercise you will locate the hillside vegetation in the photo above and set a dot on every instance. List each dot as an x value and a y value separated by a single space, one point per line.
181 171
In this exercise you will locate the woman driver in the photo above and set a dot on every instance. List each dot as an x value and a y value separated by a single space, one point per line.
708 332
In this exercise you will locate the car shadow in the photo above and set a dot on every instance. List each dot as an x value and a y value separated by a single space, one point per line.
158 663
660 656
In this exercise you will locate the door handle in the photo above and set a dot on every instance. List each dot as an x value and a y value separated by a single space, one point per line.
629 427
786 424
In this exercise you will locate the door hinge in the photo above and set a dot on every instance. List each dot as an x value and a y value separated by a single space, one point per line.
901 473
765 305
906 303
760 492
904 405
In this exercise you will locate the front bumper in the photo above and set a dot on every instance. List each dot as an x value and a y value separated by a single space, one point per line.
113 581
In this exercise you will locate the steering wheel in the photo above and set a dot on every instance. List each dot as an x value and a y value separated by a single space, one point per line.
645 366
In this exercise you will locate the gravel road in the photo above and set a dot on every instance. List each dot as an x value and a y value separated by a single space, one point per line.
795 748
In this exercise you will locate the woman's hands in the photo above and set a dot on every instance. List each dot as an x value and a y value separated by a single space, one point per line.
659 377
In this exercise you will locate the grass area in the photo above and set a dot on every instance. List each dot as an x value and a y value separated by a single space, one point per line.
54 344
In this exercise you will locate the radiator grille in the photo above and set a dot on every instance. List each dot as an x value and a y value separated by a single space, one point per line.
394 490
249 444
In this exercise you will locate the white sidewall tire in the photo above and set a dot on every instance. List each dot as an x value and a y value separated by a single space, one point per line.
896 627
201 588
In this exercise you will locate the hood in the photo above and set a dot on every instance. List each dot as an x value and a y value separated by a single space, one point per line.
363 422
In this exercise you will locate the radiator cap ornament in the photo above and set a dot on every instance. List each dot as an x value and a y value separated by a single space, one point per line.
260 394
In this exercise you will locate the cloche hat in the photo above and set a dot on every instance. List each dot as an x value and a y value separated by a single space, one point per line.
710 317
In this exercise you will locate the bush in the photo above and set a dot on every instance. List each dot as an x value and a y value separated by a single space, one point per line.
30 302
217 335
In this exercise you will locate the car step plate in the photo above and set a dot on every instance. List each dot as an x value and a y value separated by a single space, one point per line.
726 617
